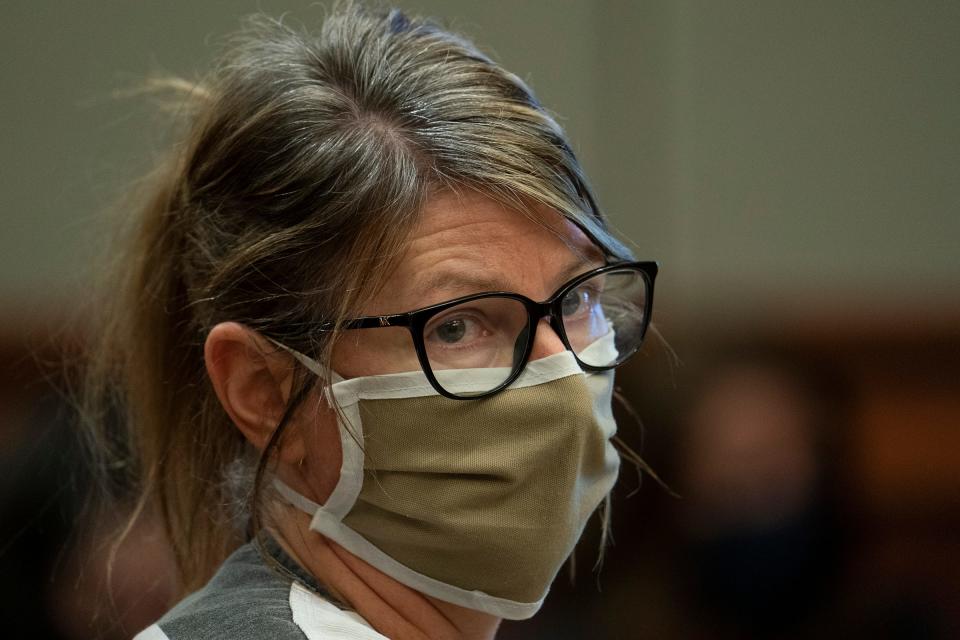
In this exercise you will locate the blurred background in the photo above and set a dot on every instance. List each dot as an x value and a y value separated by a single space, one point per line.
794 167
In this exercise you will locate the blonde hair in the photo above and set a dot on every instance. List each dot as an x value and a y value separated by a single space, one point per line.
304 164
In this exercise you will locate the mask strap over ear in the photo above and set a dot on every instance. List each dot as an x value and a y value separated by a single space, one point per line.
309 363
298 500
345 493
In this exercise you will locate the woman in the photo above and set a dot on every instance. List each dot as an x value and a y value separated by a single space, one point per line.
365 336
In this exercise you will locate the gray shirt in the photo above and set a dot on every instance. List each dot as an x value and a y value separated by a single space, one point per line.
250 599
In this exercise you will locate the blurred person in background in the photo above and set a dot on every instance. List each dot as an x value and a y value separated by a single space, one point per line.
759 517
768 527
362 341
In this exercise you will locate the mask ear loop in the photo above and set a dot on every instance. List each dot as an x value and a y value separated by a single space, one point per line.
344 421
314 367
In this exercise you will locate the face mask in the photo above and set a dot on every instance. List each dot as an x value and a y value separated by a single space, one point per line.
474 502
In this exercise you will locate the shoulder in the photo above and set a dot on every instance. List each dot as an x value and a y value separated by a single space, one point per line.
248 600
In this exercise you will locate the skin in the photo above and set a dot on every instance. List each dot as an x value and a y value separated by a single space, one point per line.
464 243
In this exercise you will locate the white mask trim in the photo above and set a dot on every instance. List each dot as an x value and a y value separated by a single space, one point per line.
331 527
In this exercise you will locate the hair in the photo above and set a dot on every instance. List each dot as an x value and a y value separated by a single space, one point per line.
304 162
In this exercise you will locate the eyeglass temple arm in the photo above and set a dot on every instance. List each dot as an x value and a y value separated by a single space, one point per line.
373 322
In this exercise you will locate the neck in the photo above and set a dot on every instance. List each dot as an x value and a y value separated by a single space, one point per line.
393 609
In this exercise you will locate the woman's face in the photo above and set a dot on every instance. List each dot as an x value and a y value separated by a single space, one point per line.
463 244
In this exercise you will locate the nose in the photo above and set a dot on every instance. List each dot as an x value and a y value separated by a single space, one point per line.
547 342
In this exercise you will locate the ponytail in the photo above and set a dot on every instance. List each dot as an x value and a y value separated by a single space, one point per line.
168 443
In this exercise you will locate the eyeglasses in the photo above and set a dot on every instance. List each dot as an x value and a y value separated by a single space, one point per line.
601 316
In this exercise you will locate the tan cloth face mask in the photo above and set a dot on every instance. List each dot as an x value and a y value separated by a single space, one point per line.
474 502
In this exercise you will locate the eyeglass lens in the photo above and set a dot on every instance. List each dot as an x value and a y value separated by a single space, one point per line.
603 318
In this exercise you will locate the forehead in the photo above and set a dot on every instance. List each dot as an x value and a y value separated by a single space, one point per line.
467 242
472 218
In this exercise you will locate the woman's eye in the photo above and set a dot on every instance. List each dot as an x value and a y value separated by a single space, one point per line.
458 330
451 331
573 301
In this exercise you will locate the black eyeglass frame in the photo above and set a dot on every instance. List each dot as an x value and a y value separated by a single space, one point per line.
415 321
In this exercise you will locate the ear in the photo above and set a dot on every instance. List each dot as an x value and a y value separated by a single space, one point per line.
253 380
